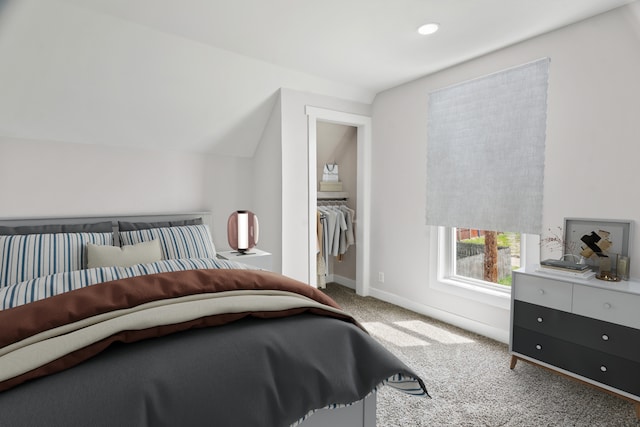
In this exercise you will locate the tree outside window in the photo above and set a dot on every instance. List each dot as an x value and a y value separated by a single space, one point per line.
487 255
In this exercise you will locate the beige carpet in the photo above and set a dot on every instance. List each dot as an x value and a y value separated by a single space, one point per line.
469 379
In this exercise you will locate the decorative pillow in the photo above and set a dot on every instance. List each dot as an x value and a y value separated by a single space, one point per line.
189 241
24 257
126 256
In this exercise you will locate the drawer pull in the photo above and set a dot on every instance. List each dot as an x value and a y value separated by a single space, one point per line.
603 368
538 347
541 291
605 337
606 305
539 319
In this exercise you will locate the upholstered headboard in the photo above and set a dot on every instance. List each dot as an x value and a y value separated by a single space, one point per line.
73 224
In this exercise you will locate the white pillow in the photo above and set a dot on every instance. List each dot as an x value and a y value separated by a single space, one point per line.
126 256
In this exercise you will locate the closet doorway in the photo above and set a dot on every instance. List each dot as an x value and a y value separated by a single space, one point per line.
356 178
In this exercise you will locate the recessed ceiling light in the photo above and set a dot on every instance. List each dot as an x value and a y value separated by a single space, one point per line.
427 29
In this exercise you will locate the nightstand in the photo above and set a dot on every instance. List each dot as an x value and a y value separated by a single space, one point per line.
255 257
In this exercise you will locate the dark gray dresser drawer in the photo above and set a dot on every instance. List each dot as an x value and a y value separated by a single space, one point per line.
542 319
608 369
603 336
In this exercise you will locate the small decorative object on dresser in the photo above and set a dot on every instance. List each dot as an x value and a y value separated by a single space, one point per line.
598 242
582 328
623 267
566 269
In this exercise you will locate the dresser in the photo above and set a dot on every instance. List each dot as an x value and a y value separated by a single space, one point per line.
585 329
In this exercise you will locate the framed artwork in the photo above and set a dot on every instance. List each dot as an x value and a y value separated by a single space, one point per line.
592 239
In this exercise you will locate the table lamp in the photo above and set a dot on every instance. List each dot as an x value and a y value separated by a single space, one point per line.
242 231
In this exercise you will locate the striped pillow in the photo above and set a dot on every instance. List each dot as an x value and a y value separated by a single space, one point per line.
54 284
24 257
189 241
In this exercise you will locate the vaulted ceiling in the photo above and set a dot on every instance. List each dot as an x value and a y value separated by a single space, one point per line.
203 75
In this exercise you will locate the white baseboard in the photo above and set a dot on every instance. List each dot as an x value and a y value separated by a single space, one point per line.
453 319
344 281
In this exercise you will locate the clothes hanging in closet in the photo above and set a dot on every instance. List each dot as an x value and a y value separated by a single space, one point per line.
335 232
321 226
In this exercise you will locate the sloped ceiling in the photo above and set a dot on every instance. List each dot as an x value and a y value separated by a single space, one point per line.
203 75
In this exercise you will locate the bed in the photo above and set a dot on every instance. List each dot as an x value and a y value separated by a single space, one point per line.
134 321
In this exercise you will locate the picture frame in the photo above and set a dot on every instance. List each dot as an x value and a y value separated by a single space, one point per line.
584 238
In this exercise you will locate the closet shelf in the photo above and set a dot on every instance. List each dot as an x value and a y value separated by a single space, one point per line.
332 195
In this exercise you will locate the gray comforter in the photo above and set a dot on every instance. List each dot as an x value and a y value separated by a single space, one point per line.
248 373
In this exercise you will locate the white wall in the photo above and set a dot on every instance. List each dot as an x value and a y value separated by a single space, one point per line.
592 153
69 72
47 178
228 188
267 186
295 175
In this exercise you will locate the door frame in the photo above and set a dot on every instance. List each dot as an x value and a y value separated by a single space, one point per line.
363 208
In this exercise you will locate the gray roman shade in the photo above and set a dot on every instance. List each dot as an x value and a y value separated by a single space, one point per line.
485 151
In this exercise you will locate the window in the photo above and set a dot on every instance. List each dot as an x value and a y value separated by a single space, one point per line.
462 258
485 169
488 256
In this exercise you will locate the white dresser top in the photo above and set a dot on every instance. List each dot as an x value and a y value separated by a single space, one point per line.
630 286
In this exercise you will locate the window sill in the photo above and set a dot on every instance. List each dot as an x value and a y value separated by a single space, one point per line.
492 297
